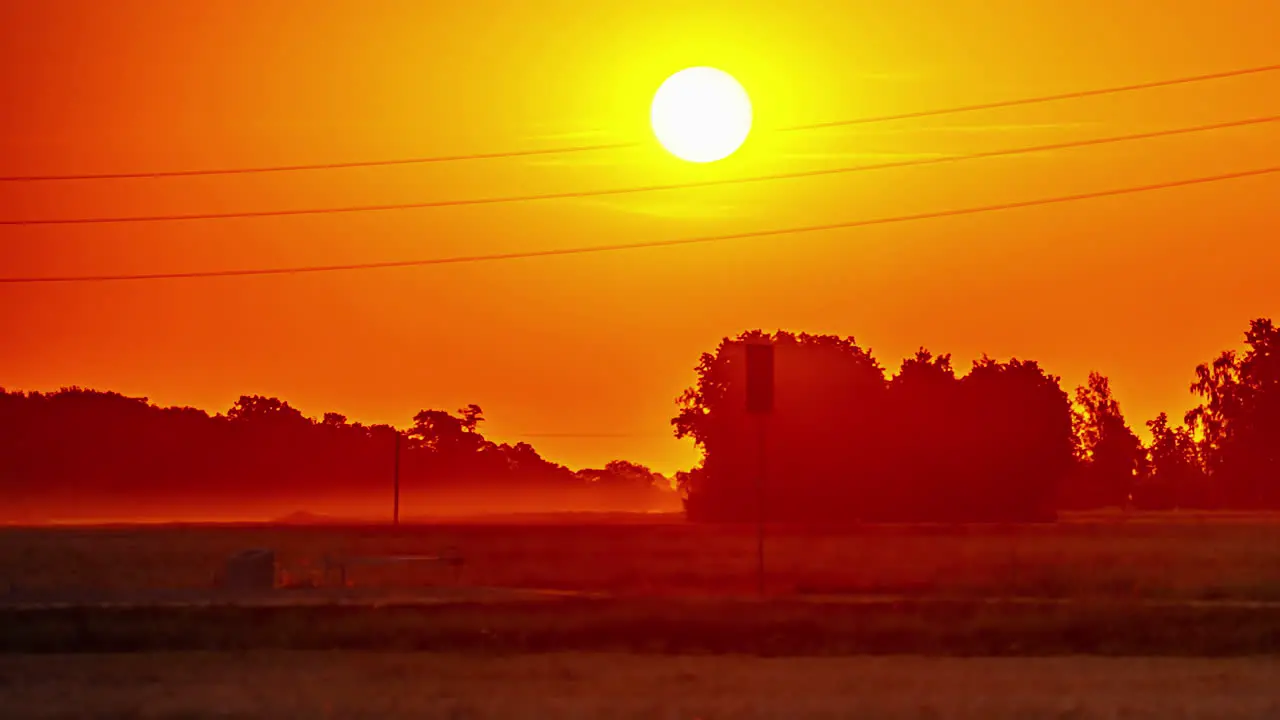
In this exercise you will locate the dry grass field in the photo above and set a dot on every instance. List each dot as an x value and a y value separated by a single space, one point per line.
1157 585
1153 557
711 626
876 621
392 685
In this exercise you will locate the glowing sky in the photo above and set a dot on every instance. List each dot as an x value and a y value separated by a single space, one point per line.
588 352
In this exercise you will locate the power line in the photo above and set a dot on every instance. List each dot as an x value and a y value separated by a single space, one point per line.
914 162
616 146
587 249
589 436
1040 99
426 160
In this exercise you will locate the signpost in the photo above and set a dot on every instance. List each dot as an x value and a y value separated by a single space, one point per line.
760 375
395 508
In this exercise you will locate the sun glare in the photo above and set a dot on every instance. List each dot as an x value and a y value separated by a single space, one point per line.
701 114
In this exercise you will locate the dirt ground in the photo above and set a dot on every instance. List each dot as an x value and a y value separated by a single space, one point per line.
387 685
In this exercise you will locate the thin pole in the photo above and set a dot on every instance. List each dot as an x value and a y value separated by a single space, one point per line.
760 472
395 511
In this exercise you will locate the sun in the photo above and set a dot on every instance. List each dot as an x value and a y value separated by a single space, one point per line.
701 114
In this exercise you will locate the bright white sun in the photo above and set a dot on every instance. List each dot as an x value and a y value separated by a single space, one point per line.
701 114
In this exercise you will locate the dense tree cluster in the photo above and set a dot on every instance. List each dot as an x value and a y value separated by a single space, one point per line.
845 442
1004 442
82 453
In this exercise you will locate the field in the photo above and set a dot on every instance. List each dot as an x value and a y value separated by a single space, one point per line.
1159 585
1166 557
390 685
648 618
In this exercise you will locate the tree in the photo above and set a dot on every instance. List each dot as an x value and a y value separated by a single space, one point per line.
624 473
471 416
925 411
845 444
827 422
624 484
1015 434
256 408
446 434
1174 477
1239 419
1218 383
83 452
1109 452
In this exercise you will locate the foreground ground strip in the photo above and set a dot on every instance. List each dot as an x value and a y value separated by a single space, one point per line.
568 685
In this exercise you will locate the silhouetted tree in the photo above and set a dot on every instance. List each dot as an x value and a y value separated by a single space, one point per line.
926 409
471 417
1109 452
845 444
1239 419
624 484
92 454
446 434
1016 431
830 393
255 408
1174 478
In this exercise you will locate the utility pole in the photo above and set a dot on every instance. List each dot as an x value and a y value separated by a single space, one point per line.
395 508
760 504
760 380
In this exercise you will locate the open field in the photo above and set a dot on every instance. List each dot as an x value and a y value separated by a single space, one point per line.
1153 585
662 626
1148 557
390 685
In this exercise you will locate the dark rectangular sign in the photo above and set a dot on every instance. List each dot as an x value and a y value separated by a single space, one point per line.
759 378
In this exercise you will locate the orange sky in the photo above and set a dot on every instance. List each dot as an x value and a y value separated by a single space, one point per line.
1139 287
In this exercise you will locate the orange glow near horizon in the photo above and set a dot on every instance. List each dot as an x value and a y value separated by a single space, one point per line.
583 356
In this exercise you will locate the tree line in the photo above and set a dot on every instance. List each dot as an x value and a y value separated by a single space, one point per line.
79 453
846 441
